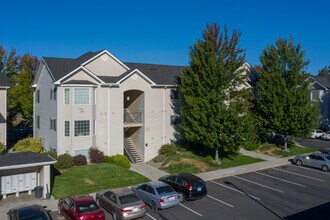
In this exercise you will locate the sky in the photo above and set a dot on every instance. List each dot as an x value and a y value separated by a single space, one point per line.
161 32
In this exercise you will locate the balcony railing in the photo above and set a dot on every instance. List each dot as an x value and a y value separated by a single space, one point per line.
132 117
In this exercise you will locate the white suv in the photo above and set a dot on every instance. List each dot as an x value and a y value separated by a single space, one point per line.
317 133
326 136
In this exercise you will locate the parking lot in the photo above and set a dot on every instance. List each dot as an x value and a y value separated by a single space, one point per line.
287 192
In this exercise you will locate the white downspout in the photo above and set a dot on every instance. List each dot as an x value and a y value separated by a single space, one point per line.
164 114
108 113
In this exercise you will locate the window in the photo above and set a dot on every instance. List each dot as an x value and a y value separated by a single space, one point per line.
174 94
52 94
53 124
67 96
38 121
81 96
81 128
38 96
82 152
94 127
67 128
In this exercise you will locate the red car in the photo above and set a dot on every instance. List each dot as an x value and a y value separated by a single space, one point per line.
81 207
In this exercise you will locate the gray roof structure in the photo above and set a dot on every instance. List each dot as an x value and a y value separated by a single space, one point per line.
323 80
4 80
159 74
23 158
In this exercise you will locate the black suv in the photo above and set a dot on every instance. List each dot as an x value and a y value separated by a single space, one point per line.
189 186
35 212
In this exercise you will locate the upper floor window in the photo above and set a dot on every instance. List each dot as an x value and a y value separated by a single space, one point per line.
67 128
53 124
67 96
38 96
52 94
81 96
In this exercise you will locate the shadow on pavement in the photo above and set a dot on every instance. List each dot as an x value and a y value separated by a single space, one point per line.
319 212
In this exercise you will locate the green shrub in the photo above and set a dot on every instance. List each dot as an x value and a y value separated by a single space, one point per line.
107 159
2 148
95 155
29 144
64 161
168 149
159 158
52 154
119 160
79 160
251 146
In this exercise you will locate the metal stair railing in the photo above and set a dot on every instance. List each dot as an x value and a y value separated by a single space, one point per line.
131 151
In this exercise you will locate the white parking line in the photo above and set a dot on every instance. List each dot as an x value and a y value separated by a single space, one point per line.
220 201
283 180
267 187
190 209
236 190
151 217
311 169
297 174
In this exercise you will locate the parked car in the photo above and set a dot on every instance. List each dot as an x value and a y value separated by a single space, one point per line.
29 212
189 186
321 161
325 151
326 136
80 207
157 194
317 133
122 204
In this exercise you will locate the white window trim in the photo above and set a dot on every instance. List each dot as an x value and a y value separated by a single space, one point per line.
69 129
89 96
69 96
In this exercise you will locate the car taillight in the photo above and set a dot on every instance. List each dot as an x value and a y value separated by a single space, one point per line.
125 210
189 187
143 207
161 201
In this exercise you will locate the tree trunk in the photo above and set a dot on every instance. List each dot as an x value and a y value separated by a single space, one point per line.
216 157
286 142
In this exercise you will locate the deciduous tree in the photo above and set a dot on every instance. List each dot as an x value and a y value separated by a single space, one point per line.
283 102
213 109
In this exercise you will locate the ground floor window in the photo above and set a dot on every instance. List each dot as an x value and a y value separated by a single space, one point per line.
81 128
83 152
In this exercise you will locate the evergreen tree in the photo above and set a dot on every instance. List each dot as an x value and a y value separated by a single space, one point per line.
282 94
324 72
213 110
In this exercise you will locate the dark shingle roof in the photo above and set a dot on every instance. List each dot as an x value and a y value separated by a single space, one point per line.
159 74
323 80
3 80
22 158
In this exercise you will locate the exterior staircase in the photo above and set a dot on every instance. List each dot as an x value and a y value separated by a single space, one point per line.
128 118
131 152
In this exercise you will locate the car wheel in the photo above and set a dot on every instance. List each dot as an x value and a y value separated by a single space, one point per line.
114 215
298 162
182 197
153 207
325 168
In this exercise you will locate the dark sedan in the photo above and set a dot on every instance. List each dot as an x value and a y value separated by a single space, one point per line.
325 151
29 212
189 186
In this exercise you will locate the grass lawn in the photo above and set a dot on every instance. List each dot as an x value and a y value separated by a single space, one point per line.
277 151
93 178
192 163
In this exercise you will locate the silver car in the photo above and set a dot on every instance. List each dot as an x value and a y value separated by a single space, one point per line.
122 204
321 161
157 194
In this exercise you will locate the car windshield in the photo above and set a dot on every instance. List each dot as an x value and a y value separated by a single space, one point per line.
86 207
327 157
164 189
198 183
27 214
128 199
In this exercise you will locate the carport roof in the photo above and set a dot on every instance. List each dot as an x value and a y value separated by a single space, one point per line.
24 159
